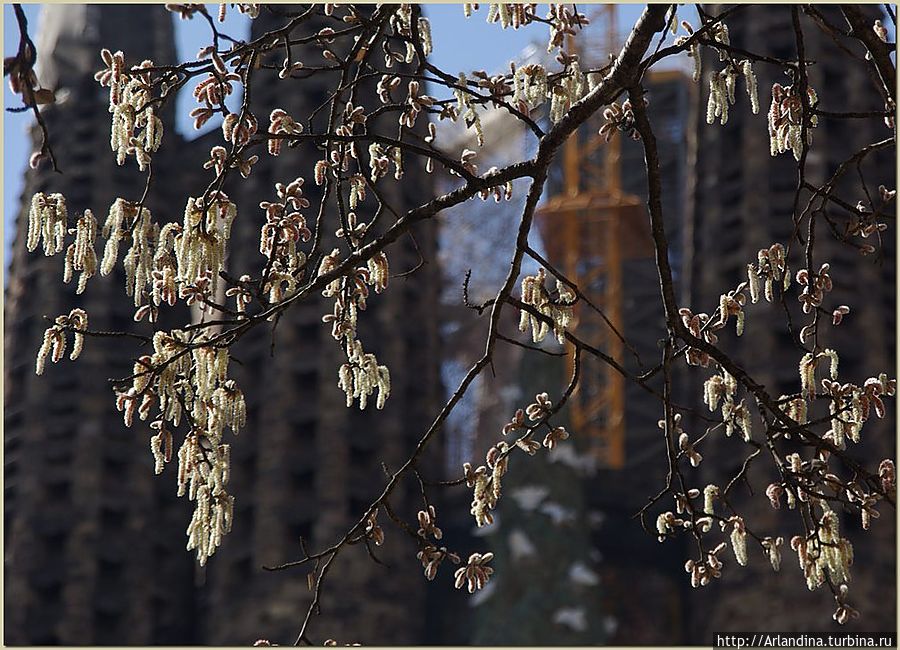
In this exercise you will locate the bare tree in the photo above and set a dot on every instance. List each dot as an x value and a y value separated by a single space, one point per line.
183 388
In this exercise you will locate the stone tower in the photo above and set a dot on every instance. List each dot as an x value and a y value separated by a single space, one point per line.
743 201
311 466
87 557
94 541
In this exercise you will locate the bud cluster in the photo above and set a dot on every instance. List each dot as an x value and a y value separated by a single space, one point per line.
284 229
54 342
431 557
475 573
702 573
485 482
281 123
815 286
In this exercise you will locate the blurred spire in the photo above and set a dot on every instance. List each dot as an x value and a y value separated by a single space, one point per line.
69 38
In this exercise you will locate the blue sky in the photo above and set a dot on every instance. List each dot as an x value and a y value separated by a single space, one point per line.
460 45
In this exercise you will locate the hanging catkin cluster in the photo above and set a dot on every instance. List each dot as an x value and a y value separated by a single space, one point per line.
823 554
824 550
200 245
795 407
720 35
357 191
47 220
361 375
693 49
513 14
722 84
216 401
667 524
485 480
700 326
136 129
431 557
415 103
559 311
772 548
181 377
466 109
564 22
476 573
732 304
380 159
203 467
849 405
738 537
568 90
128 221
191 382
80 255
116 229
770 267
815 286
684 440
526 88
786 120
171 366
723 389
529 86
164 275
722 90
138 260
485 484
212 90
401 25
425 34
620 118
845 408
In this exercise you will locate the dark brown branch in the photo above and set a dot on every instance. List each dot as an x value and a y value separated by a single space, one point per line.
24 60
879 51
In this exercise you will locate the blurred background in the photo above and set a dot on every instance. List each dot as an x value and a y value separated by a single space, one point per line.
94 542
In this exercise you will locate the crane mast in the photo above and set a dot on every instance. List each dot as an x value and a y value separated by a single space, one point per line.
589 228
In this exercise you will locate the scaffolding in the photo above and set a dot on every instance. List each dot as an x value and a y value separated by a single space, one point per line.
589 229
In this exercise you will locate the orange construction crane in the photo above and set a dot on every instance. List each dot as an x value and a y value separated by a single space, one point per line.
588 230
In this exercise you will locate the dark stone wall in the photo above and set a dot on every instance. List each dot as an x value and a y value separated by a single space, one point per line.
94 541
